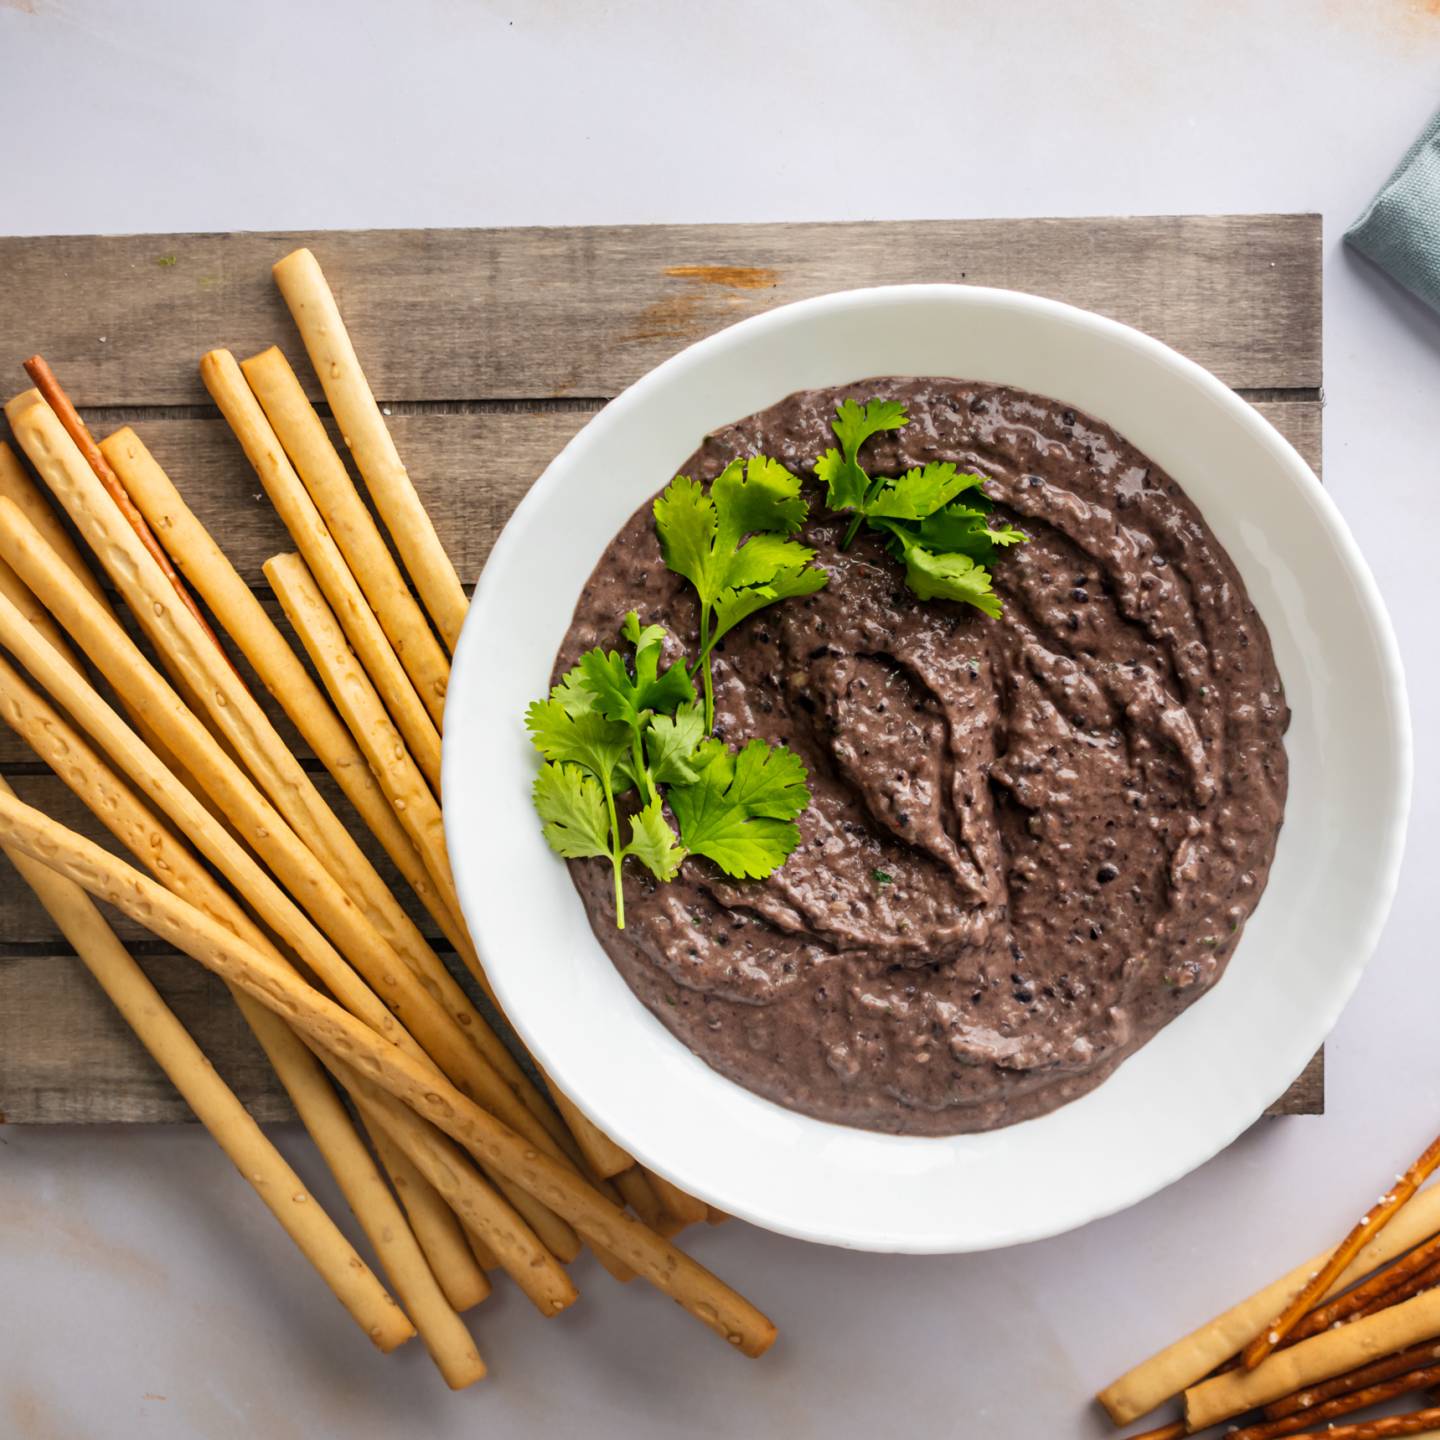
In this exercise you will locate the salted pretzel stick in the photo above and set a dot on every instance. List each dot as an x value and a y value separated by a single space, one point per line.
324 1117
69 417
223 700
317 317
1319 1358
240 408
1419 1358
1418 1423
1191 1358
413 1083
442 1237
302 433
1173 1431
320 835
214 1103
1371 1223
1360 1399
1406 1277
444 1165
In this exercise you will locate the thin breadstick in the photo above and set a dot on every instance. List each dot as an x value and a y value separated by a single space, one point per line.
59 403
20 595
1194 1356
368 438
226 702
485 1257
685 1208
320 1110
1370 1224
1360 1399
242 411
1313 1360
716 1217
441 1236
602 1154
302 432
232 602
414 1083
101 638
443 1164
215 1105
292 860
245 619
638 1195
1418 1358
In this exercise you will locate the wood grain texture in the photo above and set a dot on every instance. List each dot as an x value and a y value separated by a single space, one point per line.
492 348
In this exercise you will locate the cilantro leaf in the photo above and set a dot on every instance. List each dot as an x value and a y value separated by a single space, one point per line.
770 781
920 493
587 739
652 842
732 544
671 741
952 576
718 816
571 806
845 482
854 425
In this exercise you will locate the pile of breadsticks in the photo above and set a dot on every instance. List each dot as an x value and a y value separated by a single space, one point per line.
454 1161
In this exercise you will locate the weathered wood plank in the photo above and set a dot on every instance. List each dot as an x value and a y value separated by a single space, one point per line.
470 314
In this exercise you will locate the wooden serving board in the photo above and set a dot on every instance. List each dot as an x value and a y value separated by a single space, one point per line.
490 349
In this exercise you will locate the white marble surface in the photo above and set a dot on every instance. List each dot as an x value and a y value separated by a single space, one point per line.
142 1291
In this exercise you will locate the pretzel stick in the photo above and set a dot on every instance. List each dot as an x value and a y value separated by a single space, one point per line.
1398 1282
1194 1356
126 817
1319 1358
214 1104
228 389
442 1237
1173 1431
1416 1422
415 1084
302 433
1371 1223
69 417
352 402
1419 1358
1361 1399
444 1165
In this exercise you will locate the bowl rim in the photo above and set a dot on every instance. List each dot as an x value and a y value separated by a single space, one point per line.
1259 431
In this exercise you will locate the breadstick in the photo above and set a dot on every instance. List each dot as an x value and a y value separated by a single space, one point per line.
352 402
458 1274
484 1255
215 1105
1407 1276
1420 1357
602 1154
1181 1364
324 1117
685 1208
228 389
639 1196
414 1083
255 740
1313 1360
59 403
445 1166
233 603
245 620
1316 1287
302 433
226 702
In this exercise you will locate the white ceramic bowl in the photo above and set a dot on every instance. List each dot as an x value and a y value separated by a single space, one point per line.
1204 1078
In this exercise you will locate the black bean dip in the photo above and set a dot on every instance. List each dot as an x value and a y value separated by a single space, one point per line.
1033 841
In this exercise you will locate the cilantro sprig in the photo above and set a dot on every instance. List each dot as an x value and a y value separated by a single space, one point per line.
936 520
732 545
615 724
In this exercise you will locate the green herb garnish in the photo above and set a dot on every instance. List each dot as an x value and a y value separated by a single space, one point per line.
614 724
882 877
731 545
935 519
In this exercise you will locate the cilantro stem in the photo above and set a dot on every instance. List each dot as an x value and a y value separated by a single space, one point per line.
706 645
617 859
853 530
642 771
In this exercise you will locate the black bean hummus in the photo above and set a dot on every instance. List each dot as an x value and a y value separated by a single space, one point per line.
1033 841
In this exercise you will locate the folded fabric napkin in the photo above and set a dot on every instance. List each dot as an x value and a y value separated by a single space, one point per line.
1400 228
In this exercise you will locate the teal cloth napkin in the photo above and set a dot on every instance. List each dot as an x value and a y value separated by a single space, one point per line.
1400 229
